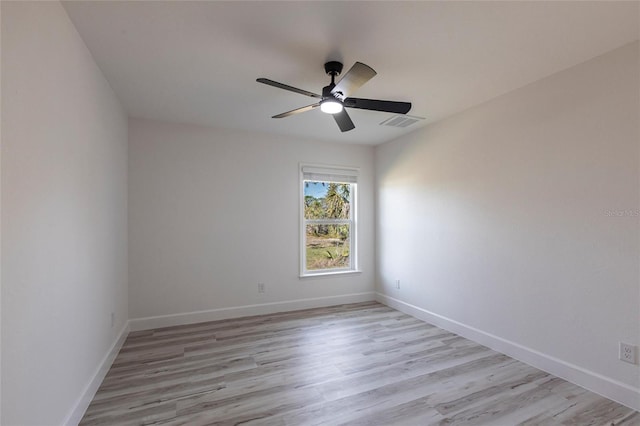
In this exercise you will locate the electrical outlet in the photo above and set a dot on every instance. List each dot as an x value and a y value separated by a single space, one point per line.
260 287
398 284
113 319
628 353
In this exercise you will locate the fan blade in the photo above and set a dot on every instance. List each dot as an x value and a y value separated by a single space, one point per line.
297 111
287 87
377 105
358 75
344 121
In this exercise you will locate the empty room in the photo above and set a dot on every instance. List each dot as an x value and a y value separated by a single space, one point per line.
320 213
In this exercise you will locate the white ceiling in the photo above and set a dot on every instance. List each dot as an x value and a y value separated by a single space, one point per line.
196 62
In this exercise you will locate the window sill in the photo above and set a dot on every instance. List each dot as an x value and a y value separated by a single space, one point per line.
329 274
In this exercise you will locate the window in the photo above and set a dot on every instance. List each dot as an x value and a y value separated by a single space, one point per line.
328 223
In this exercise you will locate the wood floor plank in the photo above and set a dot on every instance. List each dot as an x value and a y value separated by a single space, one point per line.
356 364
379 399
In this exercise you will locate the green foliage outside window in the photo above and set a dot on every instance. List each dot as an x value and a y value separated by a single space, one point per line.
327 245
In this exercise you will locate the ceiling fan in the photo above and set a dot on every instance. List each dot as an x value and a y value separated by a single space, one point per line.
336 97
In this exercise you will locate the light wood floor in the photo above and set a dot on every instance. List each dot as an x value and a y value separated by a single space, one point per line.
360 364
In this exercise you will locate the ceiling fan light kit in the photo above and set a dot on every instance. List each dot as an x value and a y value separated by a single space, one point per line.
330 106
335 97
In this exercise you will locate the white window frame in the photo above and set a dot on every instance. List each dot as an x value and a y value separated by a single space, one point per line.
338 174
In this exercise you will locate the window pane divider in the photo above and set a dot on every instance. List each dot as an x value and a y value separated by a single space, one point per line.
328 221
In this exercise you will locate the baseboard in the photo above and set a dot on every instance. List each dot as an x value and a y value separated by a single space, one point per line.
81 405
148 323
607 387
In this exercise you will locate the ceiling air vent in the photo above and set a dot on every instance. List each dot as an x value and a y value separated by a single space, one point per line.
401 121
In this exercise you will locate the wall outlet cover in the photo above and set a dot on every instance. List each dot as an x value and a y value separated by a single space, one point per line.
628 353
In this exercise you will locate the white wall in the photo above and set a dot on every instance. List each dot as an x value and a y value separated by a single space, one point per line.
64 220
496 219
214 212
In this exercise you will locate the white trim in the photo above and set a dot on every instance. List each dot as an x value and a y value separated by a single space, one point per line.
195 317
82 403
605 386
330 170
330 274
